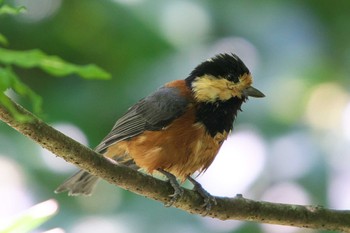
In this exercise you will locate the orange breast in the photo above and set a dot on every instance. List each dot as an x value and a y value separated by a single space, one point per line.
181 148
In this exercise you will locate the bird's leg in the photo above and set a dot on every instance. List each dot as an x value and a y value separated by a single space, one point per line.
178 190
208 199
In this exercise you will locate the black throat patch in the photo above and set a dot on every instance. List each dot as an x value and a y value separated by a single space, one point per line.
219 116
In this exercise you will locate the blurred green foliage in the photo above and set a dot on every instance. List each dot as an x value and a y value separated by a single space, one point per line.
30 59
292 48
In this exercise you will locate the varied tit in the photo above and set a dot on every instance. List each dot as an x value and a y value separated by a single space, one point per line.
179 129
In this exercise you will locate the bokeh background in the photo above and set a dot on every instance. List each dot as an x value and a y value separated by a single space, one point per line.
292 146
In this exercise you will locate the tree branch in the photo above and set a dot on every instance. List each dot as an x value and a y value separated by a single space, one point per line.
237 208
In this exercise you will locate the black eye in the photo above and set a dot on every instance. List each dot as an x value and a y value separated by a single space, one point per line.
233 78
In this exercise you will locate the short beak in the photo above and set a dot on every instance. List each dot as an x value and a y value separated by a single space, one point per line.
253 92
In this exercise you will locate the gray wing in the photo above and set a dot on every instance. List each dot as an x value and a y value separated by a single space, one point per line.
154 112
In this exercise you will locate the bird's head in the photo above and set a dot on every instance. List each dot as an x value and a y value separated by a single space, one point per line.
222 78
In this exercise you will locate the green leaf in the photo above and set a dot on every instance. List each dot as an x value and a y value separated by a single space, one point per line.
4 100
3 40
8 79
5 79
51 64
9 10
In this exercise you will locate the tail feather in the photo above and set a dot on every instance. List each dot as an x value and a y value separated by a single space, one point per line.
81 183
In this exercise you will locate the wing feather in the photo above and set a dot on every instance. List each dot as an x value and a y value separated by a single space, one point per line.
154 112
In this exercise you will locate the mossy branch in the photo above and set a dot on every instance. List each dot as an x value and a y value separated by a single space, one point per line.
237 208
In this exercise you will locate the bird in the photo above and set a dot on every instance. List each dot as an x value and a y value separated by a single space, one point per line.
178 130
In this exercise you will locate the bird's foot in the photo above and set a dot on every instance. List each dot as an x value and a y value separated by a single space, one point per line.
178 190
209 200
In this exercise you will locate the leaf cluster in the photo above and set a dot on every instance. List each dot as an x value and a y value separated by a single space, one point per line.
54 66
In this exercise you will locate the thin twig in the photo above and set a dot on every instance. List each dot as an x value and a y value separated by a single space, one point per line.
237 208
